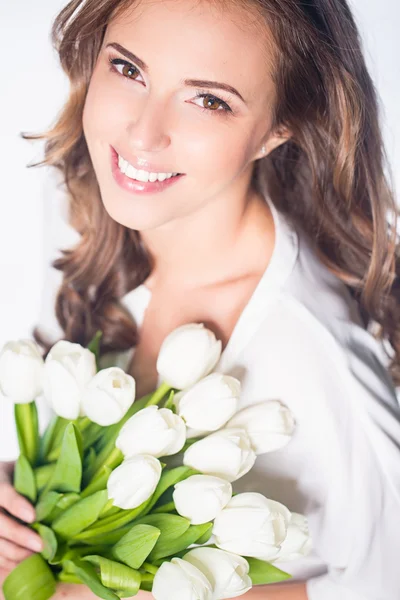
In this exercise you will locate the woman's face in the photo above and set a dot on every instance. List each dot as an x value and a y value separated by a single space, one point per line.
146 110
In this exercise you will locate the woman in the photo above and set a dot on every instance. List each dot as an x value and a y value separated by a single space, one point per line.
223 163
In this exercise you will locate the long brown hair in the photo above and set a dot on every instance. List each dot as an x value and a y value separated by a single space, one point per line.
328 177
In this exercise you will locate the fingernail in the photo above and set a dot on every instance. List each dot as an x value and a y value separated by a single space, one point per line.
28 514
35 544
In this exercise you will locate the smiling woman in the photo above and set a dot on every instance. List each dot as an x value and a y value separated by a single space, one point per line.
223 164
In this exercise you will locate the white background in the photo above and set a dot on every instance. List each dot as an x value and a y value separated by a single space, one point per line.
32 89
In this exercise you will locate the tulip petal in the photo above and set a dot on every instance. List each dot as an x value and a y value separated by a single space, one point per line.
61 390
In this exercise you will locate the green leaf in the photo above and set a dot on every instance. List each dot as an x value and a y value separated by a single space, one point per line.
32 579
42 475
27 425
92 434
99 483
63 503
170 526
107 539
136 545
262 572
67 474
94 345
169 478
105 526
87 574
49 540
46 504
52 438
170 402
116 576
24 478
168 547
80 515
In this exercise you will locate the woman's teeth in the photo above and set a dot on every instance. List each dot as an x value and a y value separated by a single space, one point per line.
141 175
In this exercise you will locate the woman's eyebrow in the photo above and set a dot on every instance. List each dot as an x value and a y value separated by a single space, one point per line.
189 82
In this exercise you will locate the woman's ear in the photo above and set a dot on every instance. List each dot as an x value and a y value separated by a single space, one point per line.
273 141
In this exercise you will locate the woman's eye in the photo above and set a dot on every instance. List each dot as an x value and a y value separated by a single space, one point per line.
212 103
125 68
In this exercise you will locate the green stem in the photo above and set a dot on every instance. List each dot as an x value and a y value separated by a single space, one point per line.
150 568
159 394
188 443
164 508
114 459
26 420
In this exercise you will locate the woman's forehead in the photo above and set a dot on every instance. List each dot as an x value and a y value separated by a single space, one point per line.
197 39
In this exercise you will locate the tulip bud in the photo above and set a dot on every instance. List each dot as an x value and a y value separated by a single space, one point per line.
252 525
227 453
228 573
134 481
210 403
183 576
68 369
297 542
187 354
152 430
200 498
108 396
270 425
21 371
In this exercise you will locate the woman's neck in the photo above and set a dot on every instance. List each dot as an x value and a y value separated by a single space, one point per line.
225 240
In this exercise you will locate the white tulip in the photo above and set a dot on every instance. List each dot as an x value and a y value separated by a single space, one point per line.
21 371
297 542
252 525
228 573
200 498
108 396
152 430
187 354
210 403
227 453
68 369
180 580
134 481
270 425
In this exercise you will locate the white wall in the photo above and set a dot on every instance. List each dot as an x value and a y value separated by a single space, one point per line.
32 88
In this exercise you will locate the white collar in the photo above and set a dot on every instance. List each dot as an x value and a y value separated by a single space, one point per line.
280 266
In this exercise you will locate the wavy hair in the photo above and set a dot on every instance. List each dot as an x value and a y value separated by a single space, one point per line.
328 178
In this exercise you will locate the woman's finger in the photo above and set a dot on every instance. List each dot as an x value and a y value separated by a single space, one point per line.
13 531
15 504
6 564
12 551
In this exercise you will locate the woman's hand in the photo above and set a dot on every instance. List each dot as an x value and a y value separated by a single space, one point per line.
17 542
72 591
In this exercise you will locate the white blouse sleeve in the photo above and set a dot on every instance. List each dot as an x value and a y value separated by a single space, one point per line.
357 528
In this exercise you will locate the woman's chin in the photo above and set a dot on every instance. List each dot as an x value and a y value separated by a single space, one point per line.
135 216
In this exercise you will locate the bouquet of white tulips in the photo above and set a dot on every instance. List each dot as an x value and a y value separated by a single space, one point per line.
111 511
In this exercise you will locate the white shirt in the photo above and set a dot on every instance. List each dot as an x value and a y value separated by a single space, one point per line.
300 339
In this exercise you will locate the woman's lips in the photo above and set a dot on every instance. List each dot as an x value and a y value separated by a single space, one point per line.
138 187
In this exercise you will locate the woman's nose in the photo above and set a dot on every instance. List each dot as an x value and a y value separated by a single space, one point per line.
148 129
